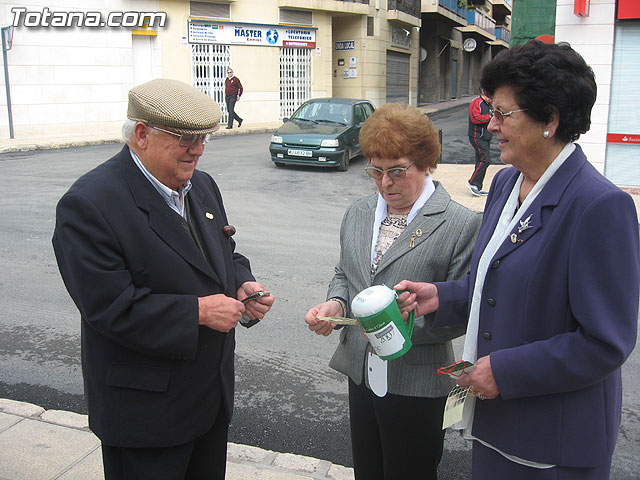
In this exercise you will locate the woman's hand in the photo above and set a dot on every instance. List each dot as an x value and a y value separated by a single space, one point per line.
422 297
483 384
326 309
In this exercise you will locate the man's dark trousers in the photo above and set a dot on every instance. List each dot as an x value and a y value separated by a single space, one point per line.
231 105
483 159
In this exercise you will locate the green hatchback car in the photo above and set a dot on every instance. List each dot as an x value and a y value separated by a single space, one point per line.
323 132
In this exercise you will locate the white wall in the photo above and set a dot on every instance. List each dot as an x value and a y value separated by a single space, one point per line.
66 80
592 37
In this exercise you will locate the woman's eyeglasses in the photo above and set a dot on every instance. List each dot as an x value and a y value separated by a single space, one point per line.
394 173
186 140
499 114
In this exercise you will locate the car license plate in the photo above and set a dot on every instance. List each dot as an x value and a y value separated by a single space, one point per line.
299 153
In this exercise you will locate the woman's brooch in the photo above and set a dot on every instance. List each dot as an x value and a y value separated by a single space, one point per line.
524 225
414 235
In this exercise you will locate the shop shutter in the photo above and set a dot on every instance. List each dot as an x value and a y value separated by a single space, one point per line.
296 17
397 77
210 10
622 164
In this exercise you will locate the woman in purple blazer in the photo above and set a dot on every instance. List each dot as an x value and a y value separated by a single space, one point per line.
551 300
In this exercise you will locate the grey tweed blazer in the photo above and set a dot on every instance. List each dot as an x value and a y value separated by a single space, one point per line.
441 253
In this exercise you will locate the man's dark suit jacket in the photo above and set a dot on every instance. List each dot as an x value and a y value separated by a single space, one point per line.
153 377
558 315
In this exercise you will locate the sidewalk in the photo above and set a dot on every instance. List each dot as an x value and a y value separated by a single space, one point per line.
38 444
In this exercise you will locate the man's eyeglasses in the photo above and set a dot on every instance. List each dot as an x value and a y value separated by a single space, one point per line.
394 173
499 114
186 140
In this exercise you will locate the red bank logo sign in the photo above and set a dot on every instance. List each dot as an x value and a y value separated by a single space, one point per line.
623 138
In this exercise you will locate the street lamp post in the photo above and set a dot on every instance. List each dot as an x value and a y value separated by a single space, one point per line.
7 40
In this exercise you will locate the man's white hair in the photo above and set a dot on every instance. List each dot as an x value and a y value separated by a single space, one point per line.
128 130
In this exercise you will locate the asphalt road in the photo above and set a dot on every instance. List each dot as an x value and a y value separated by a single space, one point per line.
287 220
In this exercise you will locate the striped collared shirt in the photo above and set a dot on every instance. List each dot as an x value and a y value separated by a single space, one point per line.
174 199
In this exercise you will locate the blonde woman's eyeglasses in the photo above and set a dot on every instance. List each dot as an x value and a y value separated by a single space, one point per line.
394 173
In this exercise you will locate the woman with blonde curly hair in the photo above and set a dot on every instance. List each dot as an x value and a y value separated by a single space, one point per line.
410 229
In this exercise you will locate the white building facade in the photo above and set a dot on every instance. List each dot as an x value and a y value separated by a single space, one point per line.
70 64
607 35
73 80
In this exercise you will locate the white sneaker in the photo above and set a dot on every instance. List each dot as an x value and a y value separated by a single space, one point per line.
476 192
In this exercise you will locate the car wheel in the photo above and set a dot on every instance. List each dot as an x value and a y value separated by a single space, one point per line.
279 164
344 161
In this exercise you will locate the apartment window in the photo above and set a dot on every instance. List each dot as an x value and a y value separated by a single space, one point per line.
296 17
369 26
212 10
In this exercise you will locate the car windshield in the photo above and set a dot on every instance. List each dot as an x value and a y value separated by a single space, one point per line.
323 112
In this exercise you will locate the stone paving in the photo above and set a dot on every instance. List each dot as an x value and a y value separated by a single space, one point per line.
39 444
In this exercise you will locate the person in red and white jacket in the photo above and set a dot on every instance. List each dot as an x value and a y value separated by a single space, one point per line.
480 139
232 93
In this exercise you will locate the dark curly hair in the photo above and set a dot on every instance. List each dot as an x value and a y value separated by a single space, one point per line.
546 77
398 130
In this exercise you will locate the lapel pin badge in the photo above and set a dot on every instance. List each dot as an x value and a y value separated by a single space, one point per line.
209 215
524 225
416 234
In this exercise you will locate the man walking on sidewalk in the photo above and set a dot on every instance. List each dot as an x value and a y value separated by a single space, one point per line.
232 93
480 139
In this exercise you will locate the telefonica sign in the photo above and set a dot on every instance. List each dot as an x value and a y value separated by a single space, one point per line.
202 31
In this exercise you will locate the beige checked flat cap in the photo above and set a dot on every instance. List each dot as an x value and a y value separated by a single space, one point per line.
175 105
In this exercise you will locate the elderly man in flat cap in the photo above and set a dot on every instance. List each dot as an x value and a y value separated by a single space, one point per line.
145 250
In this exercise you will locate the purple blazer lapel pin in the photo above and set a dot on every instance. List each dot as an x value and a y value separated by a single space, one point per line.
524 225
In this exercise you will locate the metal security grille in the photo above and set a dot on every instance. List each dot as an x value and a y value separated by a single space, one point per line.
209 69
295 79
397 77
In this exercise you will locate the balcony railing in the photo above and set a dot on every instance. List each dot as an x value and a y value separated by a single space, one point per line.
412 7
475 17
503 34
453 6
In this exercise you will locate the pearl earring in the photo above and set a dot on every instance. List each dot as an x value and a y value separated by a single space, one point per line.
546 134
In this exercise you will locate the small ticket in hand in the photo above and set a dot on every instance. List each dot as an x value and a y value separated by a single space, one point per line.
458 369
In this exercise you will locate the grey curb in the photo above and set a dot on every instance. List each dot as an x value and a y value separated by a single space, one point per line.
243 461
